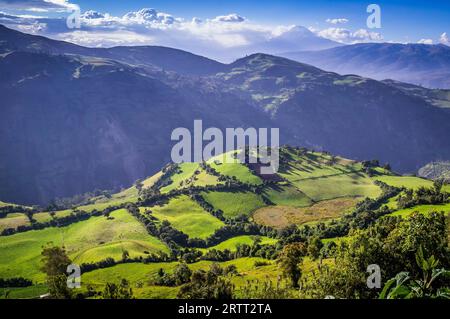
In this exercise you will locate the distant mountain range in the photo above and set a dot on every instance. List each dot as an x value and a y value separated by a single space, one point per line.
73 119
421 64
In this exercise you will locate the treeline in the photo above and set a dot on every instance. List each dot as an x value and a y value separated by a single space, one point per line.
15 282
10 209
424 196
109 262
244 250
77 200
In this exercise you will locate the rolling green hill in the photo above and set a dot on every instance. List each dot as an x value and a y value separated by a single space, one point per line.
201 212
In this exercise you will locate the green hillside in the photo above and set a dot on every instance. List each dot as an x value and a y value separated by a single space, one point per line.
203 213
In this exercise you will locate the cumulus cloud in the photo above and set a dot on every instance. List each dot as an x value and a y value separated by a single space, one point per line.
349 37
425 41
337 21
444 39
225 37
91 14
148 15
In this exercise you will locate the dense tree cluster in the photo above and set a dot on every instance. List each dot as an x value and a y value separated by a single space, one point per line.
211 284
392 244
423 196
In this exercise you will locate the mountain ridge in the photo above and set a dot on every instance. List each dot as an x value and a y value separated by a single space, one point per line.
420 64
112 123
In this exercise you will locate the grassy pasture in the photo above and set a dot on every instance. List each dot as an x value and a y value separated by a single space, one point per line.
205 179
143 273
314 164
187 216
287 195
405 181
232 243
226 165
423 209
14 220
24 292
344 185
234 203
178 179
89 240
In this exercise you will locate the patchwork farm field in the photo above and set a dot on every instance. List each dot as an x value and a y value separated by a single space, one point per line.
234 204
142 274
228 166
92 240
187 216
200 200
344 185
283 216
423 209
232 243
14 220
285 194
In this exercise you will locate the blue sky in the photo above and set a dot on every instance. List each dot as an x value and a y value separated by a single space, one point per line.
255 22
401 19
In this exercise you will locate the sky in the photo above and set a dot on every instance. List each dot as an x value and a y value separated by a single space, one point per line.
210 27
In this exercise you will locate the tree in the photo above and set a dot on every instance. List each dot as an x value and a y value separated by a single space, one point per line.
55 262
207 285
290 260
121 291
125 255
314 247
182 274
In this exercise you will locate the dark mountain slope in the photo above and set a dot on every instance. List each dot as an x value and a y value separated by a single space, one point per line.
349 115
168 59
427 65
70 123
73 124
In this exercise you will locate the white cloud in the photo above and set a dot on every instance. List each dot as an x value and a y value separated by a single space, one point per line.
148 15
337 21
349 37
425 41
224 37
91 14
37 5
444 39
232 17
